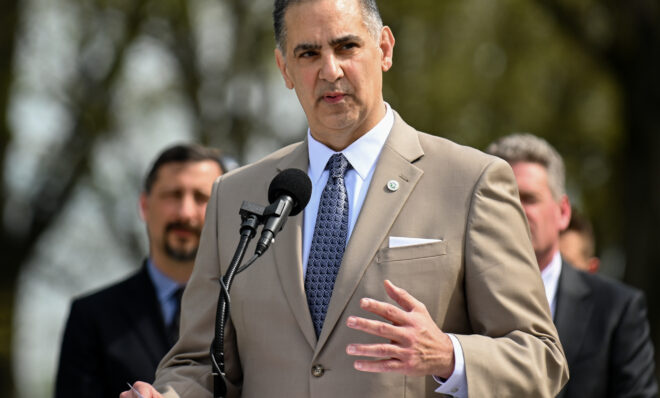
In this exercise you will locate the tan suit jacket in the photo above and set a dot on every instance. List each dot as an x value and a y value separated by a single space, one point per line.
481 282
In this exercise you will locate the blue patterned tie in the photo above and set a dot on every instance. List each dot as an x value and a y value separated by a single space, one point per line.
328 242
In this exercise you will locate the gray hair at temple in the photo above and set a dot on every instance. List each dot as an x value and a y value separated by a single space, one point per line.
524 147
370 15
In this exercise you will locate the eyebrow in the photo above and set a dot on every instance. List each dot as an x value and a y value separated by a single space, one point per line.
334 42
305 47
344 39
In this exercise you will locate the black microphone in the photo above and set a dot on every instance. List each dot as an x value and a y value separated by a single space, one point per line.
288 194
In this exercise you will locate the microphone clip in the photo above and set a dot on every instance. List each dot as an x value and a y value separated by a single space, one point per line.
253 215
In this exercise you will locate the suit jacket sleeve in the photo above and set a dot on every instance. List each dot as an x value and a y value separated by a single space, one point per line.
632 367
186 369
513 348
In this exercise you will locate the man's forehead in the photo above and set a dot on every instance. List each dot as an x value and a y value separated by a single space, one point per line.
322 25
203 164
167 172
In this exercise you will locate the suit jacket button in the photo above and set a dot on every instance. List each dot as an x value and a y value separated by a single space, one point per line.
317 370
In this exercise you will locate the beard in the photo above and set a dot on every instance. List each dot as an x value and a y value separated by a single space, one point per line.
181 254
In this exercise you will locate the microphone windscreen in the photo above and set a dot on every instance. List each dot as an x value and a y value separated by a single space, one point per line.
294 183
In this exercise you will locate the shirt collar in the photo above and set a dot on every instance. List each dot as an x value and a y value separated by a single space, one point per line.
165 287
550 275
362 154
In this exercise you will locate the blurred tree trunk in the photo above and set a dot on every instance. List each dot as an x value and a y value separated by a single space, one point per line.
630 48
60 172
640 79
87 98
8 33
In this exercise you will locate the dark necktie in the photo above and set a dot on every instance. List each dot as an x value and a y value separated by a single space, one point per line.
173 327
328 241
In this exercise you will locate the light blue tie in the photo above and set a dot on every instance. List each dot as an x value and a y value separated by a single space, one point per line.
328 241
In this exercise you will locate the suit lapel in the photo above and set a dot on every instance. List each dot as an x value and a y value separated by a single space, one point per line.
288 253
145 315
573 310
379 211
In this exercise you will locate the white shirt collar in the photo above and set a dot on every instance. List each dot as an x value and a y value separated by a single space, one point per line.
362 154
550 275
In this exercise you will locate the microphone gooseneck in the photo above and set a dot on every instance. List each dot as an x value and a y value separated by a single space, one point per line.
288 193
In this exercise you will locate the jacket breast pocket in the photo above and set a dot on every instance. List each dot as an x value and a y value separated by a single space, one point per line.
429 272
412 252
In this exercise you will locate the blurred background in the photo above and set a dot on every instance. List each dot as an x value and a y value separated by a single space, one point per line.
91 90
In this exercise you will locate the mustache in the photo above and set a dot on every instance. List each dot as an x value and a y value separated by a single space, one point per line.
184 226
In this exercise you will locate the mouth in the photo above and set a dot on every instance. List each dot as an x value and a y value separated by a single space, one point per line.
183 231
333 97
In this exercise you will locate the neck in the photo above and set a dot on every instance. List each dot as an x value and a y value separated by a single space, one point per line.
545 258
178 271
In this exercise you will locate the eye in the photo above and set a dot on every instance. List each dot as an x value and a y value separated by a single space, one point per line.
528 199
201 198
172 194
349 46
307 54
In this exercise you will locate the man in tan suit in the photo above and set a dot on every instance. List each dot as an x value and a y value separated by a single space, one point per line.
438 291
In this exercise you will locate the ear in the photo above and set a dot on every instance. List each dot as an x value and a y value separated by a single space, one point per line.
592 265
143 206
564 212
386 48
281 64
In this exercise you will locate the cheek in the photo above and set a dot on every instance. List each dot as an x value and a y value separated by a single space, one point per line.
201 212
305 81
529 212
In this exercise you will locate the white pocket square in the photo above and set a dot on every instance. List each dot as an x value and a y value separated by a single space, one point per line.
401 241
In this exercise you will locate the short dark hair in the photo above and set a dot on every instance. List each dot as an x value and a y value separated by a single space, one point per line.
179 154
370 14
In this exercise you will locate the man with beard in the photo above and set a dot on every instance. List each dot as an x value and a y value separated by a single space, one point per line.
119 334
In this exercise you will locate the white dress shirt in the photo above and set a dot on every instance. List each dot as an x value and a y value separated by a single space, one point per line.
550 276
363 155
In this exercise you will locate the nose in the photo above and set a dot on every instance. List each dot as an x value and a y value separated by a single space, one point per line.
331 69
187 208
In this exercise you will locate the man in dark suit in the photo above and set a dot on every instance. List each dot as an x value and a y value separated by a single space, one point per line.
120 333
602 323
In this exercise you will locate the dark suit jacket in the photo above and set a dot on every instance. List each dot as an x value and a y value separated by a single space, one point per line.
112 337
603 327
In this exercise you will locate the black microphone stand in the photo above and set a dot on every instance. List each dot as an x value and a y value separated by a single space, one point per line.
252 215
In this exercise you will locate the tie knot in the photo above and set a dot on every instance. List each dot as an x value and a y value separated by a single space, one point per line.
338 164
177 295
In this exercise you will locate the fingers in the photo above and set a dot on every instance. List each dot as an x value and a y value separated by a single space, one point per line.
374 350
415 344
384 310
379 366
141 390
401 296
377 328
394 314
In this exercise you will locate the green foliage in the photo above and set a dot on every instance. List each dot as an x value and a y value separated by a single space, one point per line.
474 70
